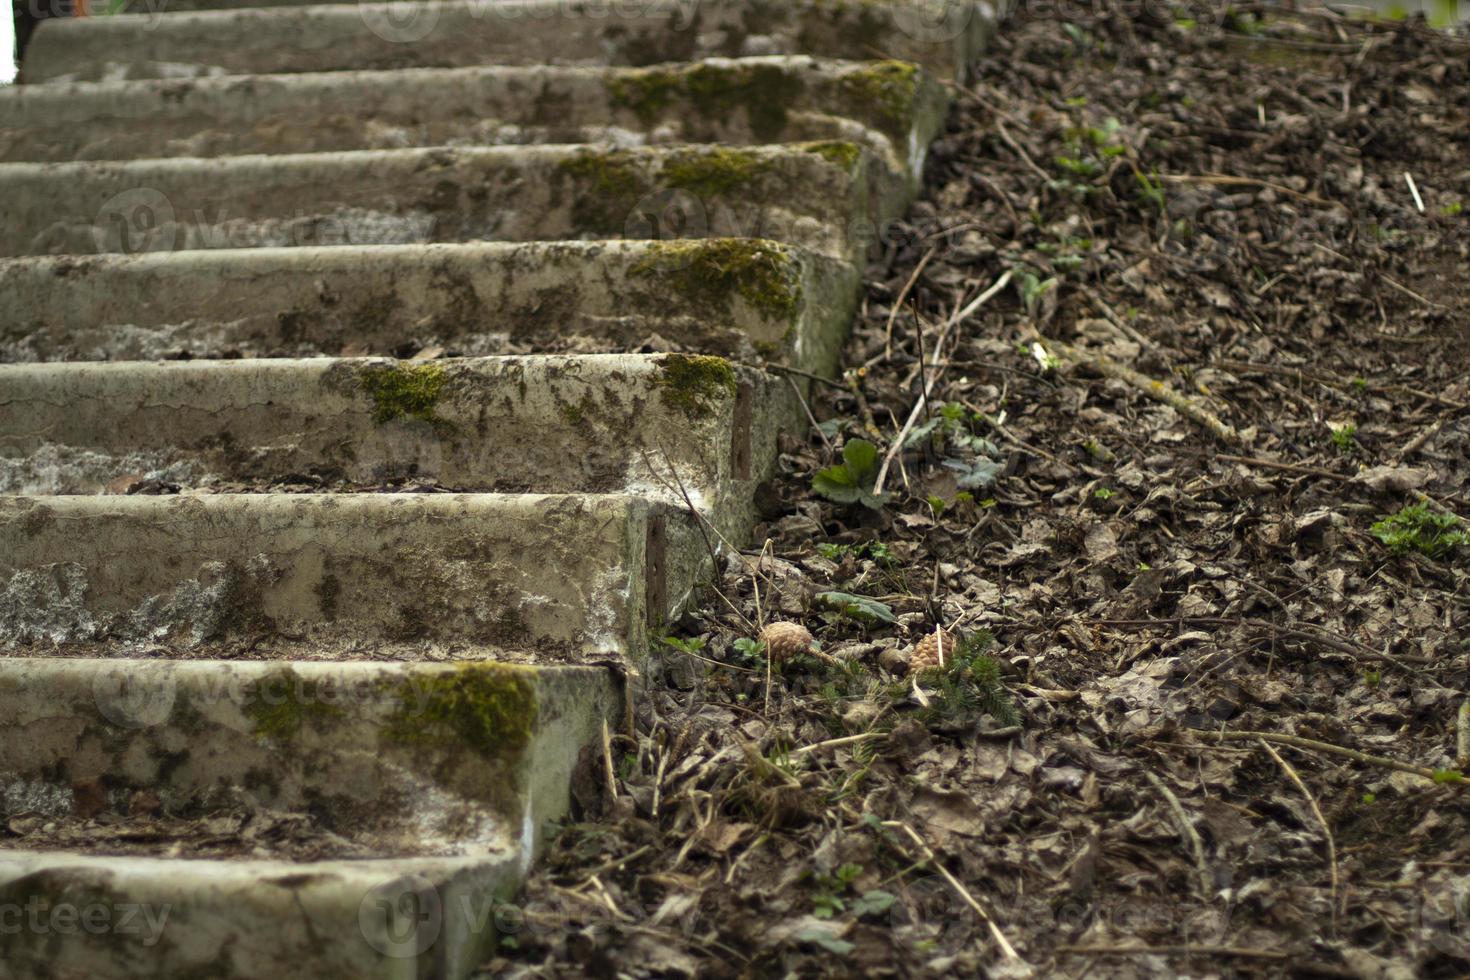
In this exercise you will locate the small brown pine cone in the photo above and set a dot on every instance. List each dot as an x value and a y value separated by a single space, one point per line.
926 652
786 640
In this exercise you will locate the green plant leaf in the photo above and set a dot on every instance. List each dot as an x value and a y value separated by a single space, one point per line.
874 902
826 940
859 607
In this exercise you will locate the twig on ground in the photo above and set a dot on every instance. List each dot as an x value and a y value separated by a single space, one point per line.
1225 180
959 317
1417 443
1414 189
903 294
854 379
1462 734
809 416
1271 464
1186 831
1157 390
835 743
1327 748
1239 952
1007 950
607 763
1307 633
701 522
1316 812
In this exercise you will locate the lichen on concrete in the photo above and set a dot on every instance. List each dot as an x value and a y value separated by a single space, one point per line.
489 708
283 703
714 171
47 604
609 188
713 272
885 91
404 391
839 153
695 383
764 92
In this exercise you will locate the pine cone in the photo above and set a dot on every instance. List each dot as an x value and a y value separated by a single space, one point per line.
926 652
786 640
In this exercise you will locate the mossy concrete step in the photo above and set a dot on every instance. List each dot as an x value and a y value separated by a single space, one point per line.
427 781
893 107
594 423
809 194
456 33
746 300
410 576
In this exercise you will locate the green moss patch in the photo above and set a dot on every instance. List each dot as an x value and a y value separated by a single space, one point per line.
488 708
404 391
765 93
712 172
839 153
281 704
609 188
694 384
884 91
714 271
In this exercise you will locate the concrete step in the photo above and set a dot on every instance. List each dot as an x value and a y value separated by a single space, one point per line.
596 423
747 300
363 794
809 194
893 108
554 579
457 33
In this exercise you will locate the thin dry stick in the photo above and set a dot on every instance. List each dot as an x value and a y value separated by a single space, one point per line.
1239 952
607 763
958 317
1157 390
1227 180
1316 812
898 301
1414 189
834 743
1186 830
1006 948
1417 443
1271 464
1327 748
701 523
809 416
1462 734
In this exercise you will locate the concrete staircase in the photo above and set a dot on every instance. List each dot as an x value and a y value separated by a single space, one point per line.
362 364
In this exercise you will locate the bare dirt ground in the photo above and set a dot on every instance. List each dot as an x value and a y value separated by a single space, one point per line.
1143 489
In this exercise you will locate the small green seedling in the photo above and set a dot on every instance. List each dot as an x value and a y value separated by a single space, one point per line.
1417 527
1344 436
692 645
851 481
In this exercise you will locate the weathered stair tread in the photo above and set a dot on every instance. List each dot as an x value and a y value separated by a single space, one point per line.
595 423
382 759
543 578
894 108
810 194
474 32
748 300
391 919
